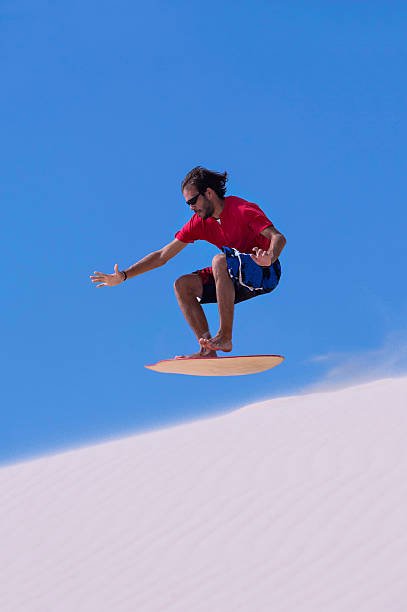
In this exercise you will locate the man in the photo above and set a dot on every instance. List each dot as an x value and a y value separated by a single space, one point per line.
248 265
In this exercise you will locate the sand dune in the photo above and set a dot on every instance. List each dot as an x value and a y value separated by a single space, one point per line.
297 504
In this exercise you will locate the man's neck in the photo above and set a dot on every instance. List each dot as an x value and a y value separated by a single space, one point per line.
218 206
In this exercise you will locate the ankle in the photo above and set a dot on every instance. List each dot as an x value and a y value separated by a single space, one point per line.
225 335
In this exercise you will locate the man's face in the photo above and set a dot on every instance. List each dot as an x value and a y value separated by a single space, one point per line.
203 206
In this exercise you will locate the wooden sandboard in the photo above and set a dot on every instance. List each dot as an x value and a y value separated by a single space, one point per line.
218 366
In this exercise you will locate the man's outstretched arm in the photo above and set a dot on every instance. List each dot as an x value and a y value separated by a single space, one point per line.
149 262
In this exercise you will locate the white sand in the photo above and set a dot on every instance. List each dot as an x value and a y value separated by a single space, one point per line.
292 505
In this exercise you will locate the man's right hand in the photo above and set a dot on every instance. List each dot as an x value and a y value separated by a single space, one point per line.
108 280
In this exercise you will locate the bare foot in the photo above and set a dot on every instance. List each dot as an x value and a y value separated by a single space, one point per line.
217 343
204 353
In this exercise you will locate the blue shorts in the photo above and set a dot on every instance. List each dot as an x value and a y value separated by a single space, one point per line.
249 279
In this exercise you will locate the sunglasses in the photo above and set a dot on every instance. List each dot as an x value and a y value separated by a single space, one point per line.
192 201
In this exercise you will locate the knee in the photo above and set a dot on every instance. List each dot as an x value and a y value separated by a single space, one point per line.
180 284
187 285
219 263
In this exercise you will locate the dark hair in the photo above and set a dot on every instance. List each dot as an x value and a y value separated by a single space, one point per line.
203 178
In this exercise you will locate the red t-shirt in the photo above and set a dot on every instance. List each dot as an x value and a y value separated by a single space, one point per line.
239 227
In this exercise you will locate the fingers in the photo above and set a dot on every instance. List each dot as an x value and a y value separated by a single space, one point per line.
99 277
259 252
107 280
260 257
256 252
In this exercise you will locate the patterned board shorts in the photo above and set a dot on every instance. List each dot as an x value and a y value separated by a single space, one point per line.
249 279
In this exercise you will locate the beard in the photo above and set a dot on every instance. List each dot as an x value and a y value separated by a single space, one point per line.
207 209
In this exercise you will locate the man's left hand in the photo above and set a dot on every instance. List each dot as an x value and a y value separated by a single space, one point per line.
262 258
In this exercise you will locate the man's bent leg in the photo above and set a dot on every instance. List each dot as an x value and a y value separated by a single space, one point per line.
187 289
225 292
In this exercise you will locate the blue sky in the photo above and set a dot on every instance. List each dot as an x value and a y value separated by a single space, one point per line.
105 108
